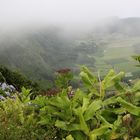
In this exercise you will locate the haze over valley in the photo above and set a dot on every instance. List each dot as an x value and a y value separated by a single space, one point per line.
51 35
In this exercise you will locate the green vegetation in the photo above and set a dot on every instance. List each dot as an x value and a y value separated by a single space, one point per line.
39 53
118 58
99 105
103 108
137 58
17 79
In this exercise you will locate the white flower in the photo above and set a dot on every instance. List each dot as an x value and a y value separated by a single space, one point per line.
7 93
1 97
3 86
12 88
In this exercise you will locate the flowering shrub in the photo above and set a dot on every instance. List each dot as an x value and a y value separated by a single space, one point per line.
104 109
91 113
6 90
19 119
17 79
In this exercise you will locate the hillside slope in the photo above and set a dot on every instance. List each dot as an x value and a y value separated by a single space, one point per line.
40 52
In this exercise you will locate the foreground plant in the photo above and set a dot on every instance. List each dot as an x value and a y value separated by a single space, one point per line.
91 113
104 109
19 119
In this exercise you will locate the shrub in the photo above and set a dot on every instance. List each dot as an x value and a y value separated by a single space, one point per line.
104 108
19 119
16 79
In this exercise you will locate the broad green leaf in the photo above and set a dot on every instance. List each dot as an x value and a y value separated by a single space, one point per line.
93 91
83 124
60 107
78 98
111 78
69 137
50 109
118 122
136 87
40 101
61 124
102 90
89 73
119 87
119 111
110 100
67 126
60 102
25 95
86 79
110 74
93 137
85 104
137 96
92 108
107 82
100 131
78 135
44 120
103 120
129 107
25 91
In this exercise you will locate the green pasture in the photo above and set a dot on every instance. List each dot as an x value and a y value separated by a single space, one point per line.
118 58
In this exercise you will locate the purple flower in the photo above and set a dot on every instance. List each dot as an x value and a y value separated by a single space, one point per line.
1 97
12 88
3 86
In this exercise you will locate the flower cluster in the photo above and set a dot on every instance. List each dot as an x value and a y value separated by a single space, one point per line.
63 71
6 90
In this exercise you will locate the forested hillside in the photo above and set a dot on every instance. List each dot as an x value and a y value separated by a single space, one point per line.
40 52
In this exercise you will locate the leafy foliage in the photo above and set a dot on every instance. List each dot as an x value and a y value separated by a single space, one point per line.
64 76
91 113
17 79
18 120
137 58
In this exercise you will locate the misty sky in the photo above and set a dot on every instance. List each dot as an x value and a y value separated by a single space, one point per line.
16 12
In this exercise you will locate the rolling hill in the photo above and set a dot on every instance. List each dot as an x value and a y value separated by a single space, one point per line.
40 52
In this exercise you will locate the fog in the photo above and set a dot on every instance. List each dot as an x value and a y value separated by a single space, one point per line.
65 13
41 36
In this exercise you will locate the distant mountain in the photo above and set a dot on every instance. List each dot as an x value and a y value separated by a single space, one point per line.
124 27
40 52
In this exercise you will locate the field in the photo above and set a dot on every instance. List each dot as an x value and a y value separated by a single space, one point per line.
118 55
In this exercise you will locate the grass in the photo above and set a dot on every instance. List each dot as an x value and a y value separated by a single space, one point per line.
118 58
118 52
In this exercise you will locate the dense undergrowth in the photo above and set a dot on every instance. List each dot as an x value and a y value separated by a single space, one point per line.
100 109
